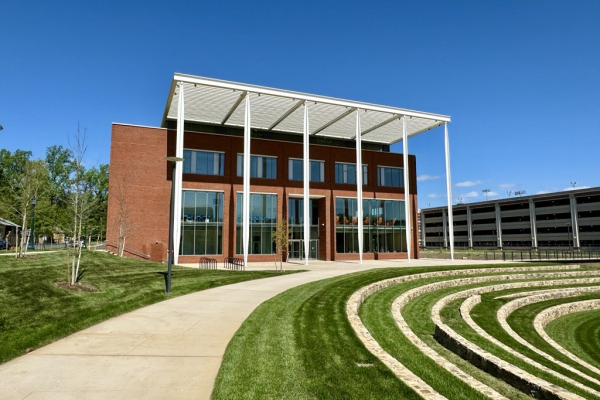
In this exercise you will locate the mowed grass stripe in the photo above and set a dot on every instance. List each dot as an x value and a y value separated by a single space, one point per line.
377 317
451 317
300 345
521 320
579 333
484 315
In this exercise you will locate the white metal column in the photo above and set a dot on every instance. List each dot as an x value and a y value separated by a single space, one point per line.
178 175
449 191
533 221
359 193
574 222
306 167
246 193
469 227
445 226
498 226
406 190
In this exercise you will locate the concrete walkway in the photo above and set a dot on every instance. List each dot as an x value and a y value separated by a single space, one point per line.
169 350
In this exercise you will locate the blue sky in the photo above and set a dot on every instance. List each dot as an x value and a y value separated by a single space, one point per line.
520 79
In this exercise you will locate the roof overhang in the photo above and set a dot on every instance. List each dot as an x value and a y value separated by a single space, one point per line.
218 102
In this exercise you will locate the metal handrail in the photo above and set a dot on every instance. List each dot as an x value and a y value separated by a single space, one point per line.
130 250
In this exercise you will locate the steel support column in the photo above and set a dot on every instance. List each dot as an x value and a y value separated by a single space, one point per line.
470 227
178 175
445 226
359 193
449 191
498 226
306 173
246 192
407 214
574 222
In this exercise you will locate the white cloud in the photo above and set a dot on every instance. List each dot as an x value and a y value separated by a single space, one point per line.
506 185
427 177
436 196
468 183
576 188
470 194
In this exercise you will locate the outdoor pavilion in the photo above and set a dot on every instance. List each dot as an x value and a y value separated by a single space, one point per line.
217 102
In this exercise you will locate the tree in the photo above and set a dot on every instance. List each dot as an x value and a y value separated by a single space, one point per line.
281 237
27 186
80 199
123 224
59 161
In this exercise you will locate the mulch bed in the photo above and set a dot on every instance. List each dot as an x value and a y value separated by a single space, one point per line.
85 287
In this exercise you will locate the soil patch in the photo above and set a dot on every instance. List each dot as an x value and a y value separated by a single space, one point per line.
85 287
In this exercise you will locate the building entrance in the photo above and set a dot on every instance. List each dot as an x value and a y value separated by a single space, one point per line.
296 250
296 226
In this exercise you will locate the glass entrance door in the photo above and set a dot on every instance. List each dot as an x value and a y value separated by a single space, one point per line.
297 249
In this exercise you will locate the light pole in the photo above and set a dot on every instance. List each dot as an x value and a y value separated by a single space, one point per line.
31 245
174 160
486 191
509 192
573 184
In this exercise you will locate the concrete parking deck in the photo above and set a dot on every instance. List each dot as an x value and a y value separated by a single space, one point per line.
169 350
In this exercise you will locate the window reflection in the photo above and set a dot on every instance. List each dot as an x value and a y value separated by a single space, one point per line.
201 223
263 220
384 227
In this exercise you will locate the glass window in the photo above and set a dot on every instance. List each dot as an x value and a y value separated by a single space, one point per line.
346 173
263 220
390 176
201 223
260 166
317 170
203 162
384 228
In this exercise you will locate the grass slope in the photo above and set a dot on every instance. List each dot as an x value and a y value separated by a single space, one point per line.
35 312
579 333
300 345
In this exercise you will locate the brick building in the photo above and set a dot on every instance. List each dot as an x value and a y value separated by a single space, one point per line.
244 144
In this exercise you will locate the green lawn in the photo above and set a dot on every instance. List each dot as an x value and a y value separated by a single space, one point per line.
34 312
579 333
300 345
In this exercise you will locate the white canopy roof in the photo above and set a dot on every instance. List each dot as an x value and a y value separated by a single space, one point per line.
218 102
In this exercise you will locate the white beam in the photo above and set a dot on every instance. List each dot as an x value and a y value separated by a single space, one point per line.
178 175
406 190
246 192
449 191
306 167
359 193
333 121
234 107
286 114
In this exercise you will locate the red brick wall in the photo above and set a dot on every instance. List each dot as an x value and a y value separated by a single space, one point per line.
137 164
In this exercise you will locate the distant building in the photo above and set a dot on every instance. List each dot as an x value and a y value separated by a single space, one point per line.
8 229
568 219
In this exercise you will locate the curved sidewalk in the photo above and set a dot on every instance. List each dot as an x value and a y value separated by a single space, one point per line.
169 350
